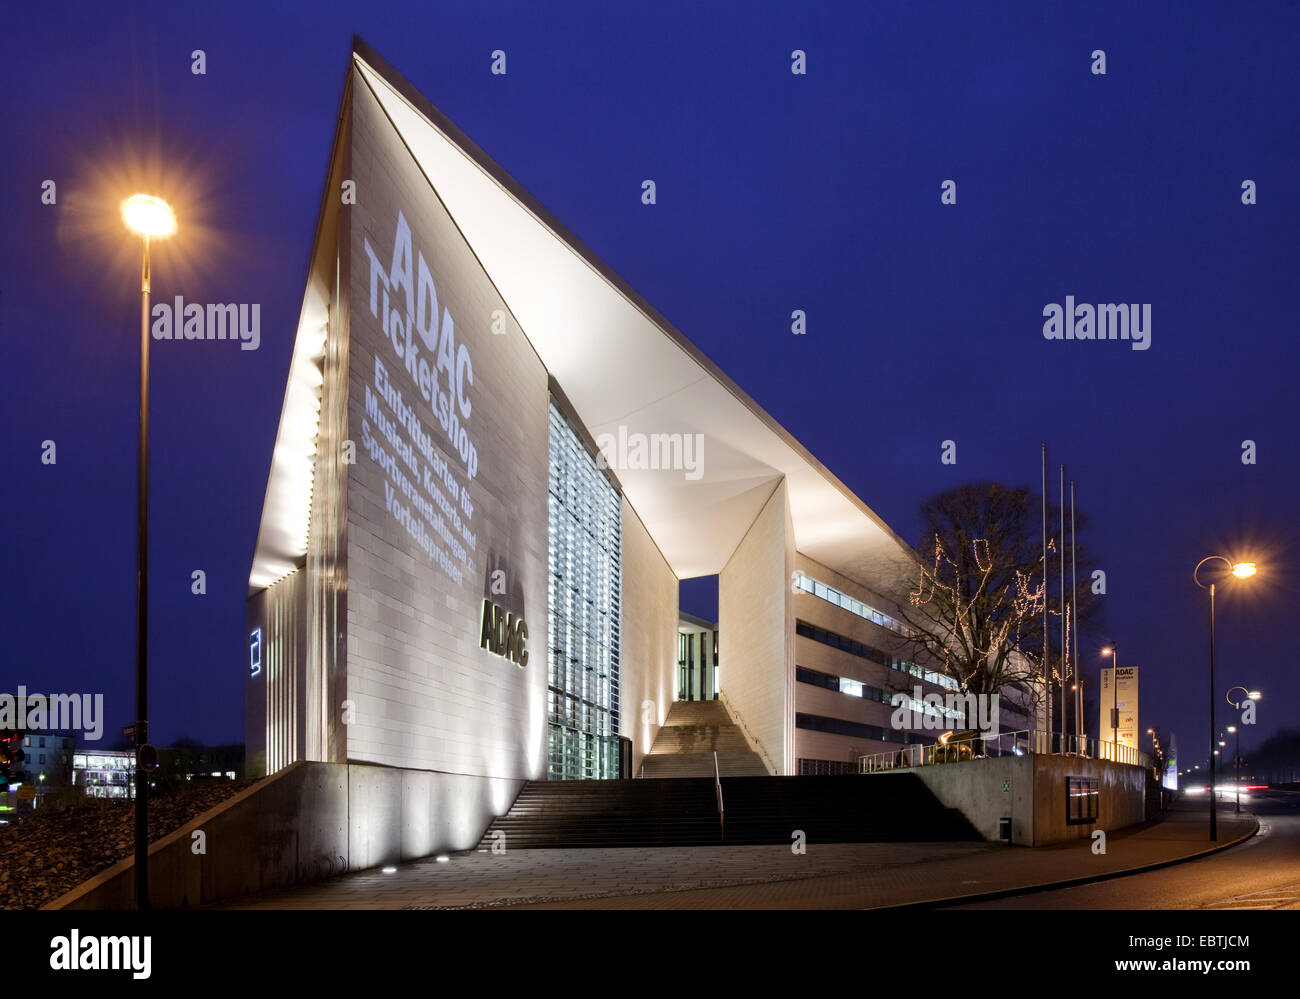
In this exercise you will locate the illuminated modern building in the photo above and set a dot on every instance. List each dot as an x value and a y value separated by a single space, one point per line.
107 773
494 464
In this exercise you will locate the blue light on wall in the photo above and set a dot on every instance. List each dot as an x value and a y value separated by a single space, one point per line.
255 652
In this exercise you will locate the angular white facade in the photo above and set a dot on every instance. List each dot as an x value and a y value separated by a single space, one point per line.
412 600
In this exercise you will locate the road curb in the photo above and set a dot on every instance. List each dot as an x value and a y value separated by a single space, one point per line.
1000 893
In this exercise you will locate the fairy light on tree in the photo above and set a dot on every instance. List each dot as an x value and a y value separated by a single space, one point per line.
979 590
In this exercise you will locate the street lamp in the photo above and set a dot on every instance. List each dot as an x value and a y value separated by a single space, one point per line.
1247 695
1241 570
1250 695
1236 763
149 218
1113 650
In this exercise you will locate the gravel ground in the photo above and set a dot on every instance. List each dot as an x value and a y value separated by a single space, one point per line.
55 849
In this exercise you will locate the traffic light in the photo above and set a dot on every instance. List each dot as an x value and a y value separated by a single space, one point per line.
11 757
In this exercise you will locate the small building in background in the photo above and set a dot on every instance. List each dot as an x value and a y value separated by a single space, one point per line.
191 761
105 773
110 773
47 761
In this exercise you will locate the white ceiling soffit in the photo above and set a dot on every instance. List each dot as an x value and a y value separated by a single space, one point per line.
286 509
622 365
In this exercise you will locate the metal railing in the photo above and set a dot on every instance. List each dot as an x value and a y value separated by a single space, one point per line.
717 784
754 741
1019 743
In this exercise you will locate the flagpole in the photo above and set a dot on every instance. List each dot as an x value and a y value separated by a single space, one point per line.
1074 617
1047 651
1065 624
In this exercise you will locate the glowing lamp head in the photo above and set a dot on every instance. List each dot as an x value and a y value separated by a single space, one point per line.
148 216
1107 651
1254 695
1242 570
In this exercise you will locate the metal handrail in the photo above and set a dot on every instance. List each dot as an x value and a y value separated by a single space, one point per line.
1019 743
717 784
754 741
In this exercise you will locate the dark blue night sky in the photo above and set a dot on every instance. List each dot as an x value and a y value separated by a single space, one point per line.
775 192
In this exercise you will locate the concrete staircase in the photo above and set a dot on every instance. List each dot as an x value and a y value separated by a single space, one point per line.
684 812
691 734
674 802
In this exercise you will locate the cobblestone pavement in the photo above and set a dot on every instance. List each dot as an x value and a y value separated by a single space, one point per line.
851 875
531 876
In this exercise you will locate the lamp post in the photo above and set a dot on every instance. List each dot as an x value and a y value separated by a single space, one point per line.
1236 763
149 218
1250 695
1158 764
1113 650
1241 570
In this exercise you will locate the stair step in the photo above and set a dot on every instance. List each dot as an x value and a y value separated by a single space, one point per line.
692 732
682 811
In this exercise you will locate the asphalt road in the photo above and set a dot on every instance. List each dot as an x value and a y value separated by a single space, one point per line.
1261 873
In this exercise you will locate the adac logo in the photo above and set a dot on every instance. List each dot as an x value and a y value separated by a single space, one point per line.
503 634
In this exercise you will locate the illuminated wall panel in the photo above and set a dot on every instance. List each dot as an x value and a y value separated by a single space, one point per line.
446 501
647 636
756 634
275 650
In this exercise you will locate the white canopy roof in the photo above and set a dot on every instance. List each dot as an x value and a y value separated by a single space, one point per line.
620 364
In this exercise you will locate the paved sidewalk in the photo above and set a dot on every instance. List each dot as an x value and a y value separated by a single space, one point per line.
855 875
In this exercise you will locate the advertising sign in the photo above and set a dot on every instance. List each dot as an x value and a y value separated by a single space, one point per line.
1170 777
1119 706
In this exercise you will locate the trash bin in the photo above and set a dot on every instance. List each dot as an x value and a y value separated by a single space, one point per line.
1004 828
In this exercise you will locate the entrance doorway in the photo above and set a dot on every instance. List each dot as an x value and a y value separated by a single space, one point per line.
697 659
698 676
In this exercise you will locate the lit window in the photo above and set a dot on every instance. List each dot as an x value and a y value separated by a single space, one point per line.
851 604
584 566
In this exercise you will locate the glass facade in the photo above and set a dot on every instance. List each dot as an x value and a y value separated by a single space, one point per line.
584 591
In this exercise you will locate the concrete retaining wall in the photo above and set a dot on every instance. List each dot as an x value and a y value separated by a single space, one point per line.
1121 798
1032 791
309 821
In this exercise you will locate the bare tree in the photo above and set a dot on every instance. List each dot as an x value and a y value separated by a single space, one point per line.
976 604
